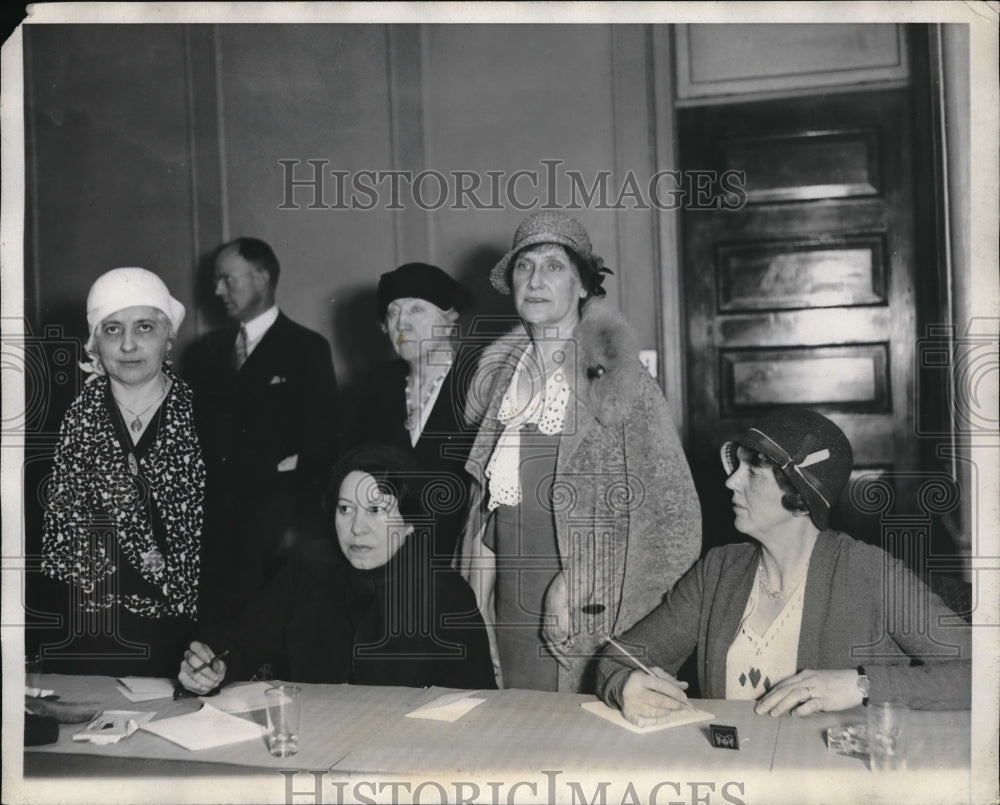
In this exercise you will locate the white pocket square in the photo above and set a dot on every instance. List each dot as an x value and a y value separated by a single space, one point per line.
288 463
276 380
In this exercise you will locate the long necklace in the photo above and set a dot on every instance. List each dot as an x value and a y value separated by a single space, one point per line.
412 409
787 589
136 424
153 560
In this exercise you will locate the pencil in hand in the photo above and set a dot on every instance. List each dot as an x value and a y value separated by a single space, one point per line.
180 692
205 665
644 668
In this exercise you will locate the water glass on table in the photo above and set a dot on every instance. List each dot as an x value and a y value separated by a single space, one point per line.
888 727
283 704
33 674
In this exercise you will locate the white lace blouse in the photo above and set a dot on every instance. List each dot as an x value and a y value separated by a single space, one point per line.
546 409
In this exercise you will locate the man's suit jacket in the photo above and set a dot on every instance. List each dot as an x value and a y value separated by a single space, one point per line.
282 402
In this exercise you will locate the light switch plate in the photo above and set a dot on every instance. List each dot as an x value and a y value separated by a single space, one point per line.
647 357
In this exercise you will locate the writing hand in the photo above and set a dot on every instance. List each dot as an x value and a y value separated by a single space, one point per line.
200 672
647 698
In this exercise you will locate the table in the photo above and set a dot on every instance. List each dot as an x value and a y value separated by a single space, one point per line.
517 746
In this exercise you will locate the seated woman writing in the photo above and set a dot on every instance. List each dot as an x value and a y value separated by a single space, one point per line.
803 619
382 617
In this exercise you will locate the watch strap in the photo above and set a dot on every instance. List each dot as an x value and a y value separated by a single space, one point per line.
864 685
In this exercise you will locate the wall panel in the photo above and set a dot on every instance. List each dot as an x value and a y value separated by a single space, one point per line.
300 93
109 153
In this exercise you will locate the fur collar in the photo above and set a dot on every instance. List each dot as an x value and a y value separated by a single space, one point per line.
607 370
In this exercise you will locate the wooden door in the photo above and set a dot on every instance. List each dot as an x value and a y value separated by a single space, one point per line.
805 294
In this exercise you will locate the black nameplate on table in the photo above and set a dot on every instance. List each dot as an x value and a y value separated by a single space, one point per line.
724 737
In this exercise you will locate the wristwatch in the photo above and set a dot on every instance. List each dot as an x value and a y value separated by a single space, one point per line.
864 685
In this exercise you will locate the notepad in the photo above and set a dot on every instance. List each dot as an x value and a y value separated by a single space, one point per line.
242 698
677 718
141 689
450 707
205 729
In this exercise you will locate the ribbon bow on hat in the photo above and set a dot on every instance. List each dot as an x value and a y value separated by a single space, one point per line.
812 452
802 458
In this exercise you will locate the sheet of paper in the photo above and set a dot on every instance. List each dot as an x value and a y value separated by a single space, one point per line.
141 689
241 698
450 707
111 726
37 693
206 728
143 684
676 719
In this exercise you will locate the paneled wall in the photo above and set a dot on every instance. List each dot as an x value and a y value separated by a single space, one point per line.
109 170
301 93
152 144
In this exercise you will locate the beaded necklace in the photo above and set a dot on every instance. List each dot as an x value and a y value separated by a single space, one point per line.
787 589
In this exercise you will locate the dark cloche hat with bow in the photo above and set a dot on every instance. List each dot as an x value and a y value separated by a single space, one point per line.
812 452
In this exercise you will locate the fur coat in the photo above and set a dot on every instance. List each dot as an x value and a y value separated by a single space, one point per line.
631 523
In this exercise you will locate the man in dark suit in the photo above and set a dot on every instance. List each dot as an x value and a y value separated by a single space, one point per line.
266 403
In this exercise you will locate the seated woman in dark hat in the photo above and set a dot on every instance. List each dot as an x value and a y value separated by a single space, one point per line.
368 610
417 401
802 619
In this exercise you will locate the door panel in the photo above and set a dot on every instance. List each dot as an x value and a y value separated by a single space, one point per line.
805 294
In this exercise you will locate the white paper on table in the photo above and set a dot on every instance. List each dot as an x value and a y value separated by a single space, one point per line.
205 729
677 718
241 698
450 707
37 693
142 689
111 726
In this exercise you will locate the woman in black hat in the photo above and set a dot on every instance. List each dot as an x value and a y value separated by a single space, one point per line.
417 400
802 619
366 609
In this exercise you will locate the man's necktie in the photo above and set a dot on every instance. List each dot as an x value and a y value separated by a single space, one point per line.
240 348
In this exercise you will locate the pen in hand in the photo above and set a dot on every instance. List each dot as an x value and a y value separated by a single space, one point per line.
205 665
181 692
642 666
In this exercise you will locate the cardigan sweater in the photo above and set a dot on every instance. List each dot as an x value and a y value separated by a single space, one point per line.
862 607
628 521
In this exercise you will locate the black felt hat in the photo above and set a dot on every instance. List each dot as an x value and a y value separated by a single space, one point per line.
812 452
421 281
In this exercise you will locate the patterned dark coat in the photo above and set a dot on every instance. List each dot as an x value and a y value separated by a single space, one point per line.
631 525
92 486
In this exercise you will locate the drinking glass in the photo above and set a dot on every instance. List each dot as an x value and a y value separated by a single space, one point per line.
33 672
283 703
887 736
